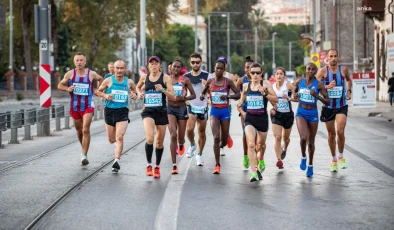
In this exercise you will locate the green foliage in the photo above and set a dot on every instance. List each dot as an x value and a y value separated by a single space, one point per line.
237 63
19 97
300 70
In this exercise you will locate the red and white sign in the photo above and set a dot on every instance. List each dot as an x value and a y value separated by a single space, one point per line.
45 85
364 90
323 57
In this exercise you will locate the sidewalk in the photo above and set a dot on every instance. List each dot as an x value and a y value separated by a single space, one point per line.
383 109
55 100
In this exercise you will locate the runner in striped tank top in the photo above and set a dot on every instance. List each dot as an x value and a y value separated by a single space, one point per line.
78 82
334 78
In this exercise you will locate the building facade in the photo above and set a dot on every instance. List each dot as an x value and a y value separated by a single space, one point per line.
288 16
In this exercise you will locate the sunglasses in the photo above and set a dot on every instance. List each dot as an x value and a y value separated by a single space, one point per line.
253 73
195 62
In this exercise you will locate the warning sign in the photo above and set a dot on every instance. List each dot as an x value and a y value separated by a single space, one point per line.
315 59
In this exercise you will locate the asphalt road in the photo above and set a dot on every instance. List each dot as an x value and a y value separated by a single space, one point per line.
359 197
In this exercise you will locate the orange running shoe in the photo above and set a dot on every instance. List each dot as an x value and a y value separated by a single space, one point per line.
217 170
229 141
156 173
149 170
174 170
180 151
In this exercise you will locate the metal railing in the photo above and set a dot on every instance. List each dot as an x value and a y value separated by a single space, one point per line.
41 117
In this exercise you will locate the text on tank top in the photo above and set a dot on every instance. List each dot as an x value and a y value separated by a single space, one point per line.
283 105
152 97
256 103
337 94
82 95
120 93
304 92
216 92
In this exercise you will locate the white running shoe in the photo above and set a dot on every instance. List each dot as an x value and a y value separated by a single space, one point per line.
222 153
199 160
191 151
84 160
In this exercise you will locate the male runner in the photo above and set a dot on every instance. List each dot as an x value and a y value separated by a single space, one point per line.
333 77
198 110
78 82
115 90
111 70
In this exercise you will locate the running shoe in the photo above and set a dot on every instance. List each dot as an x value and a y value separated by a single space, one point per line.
222 153
246 162
84 160
156 172
149 170
229 142
303 163
115 167
254 177
174 170
261 166
342 163
334 166
259 174
279 164
309 171
180 149
217 170
283 155
191 151
199 160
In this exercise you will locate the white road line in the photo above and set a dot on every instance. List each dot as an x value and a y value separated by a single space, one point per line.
167 216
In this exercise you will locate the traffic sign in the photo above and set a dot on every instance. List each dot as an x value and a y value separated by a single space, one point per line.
44 44
315 59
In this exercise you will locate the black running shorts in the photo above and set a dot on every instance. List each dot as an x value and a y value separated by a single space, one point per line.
179 112
199 116
285 120
329 114
159 115
112 116
259 122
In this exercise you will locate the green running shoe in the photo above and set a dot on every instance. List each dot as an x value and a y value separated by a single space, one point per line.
254 177
342 163
246 162
334 166
261 166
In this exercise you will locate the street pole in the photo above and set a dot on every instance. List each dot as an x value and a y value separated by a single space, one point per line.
11 38
143 32
314 25
209 43
255 44
195 26
228 42
289 56
262 52
325 21
355 58
273 52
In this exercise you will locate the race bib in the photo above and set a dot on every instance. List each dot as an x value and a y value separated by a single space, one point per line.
216 98
153 99
81 89
255 102
177 89
197 110
305 96
119 96
335 92
283 105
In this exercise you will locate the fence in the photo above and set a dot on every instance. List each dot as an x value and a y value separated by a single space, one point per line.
41 117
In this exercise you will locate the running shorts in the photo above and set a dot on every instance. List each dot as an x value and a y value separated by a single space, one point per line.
310 115
259 122
221 113
329 114
285 120
158 115
112 116
179 112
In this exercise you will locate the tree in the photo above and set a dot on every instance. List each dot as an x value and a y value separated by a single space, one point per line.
259 21
26 15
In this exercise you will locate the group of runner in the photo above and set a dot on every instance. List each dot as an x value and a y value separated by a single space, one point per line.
182 100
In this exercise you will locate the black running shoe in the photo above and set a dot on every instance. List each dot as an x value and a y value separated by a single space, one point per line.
115 167
283 155
259 175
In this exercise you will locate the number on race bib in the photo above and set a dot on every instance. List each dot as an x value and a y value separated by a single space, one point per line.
283 105
335 92
153 100
119 96
81 89
305 96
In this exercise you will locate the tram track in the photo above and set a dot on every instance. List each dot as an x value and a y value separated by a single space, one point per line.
30 159
35 224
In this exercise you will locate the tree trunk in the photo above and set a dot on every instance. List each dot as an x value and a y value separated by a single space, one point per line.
25 14
93 52
54 30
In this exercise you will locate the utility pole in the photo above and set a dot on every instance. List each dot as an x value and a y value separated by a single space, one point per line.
289 56
11 38
255 44
355 58
195 26
209 43
228 42
314 25
143 32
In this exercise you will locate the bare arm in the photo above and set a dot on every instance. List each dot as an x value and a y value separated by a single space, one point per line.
349 83
325 99
243 98
321 73
168 83
102 88
97 77
63 84
132 88
269 92
140 83
190 88
295 92
204 91
235 89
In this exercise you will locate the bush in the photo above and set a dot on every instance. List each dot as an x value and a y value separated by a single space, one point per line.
19 97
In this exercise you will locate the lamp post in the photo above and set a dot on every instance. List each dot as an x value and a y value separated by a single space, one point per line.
273 51
195 26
